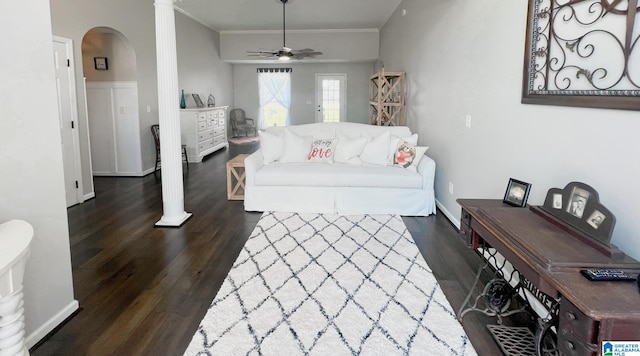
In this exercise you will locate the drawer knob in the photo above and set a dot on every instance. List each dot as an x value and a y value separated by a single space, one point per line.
569 345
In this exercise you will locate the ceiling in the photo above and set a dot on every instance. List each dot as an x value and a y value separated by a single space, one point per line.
238 15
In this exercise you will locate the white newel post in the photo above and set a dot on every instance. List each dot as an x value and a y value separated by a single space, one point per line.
169 116
15 240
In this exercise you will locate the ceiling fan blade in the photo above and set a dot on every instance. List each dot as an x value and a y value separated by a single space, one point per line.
285 52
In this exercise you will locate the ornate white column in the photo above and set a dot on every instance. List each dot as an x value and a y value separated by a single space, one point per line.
15 240
170 151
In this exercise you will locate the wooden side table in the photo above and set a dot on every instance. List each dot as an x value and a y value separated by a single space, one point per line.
235 177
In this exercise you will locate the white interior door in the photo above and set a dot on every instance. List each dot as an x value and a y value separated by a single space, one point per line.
68 114
331 102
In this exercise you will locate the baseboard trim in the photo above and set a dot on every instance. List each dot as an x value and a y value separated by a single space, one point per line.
447 213
89 196
38 334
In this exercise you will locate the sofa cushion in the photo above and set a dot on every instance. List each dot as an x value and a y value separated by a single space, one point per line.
376 151
336 175
348 150
270 146
408 155
295 148
322 150
396 141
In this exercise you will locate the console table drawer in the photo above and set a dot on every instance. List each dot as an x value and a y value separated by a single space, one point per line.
574 322
568 345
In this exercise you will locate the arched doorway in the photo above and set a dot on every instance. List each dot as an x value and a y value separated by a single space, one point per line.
109 66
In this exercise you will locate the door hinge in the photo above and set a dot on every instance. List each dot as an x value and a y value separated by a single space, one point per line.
77 185
68 63
72 125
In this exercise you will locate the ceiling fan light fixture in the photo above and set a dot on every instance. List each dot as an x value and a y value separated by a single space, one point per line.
284 57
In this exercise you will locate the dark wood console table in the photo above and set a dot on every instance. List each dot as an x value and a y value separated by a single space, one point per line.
551 259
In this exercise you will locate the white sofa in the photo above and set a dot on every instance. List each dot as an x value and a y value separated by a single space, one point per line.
338 188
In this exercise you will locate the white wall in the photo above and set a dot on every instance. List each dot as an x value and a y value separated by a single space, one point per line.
303 87
200 69
31 178
466 57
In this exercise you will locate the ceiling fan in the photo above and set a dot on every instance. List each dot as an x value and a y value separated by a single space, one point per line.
285 53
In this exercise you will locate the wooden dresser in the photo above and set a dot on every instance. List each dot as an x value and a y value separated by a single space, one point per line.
203 131
550 257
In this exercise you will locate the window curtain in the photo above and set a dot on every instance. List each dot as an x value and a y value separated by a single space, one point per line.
275 87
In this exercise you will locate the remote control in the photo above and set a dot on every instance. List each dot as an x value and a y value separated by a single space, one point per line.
606 275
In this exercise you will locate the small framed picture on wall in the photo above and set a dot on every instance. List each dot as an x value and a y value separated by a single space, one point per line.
101 63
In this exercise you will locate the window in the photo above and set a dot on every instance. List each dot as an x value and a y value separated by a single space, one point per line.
275 97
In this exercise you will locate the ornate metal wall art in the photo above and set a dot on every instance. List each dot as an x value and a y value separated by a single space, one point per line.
583 53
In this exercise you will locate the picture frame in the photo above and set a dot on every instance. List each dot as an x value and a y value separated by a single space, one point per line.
198 101
517 193
101 63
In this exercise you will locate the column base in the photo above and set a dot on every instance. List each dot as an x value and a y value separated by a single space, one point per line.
173 223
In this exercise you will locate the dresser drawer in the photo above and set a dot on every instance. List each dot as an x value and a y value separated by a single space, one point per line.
221 119
206 135
202 125
205 145
218 131
218 140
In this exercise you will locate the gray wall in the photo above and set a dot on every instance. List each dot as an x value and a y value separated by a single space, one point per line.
32 186
303 87
466 57
199 66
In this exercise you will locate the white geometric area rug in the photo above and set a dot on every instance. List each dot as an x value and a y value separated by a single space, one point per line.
309 284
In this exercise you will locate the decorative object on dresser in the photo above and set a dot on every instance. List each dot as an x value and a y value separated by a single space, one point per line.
386 98
155 131
517 193
203 131
309 284
541 251
183 102
240 123
211 101
197 100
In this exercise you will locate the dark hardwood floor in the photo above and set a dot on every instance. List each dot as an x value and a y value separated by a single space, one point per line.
143 290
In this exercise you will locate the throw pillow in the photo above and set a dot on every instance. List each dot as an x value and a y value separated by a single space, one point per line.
376 151
348 150
408 156
270 146
395 141
322 150
295 148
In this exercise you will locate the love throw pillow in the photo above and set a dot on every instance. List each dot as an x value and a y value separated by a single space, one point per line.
408 156
322 151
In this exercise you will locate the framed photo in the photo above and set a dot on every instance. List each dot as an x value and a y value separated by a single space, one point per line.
197 99
100 63
577 202
517 193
